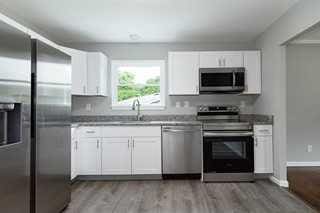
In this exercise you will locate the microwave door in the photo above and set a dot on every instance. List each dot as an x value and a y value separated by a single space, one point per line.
223 80
216 81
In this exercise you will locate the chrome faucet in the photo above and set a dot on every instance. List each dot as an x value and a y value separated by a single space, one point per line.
136 104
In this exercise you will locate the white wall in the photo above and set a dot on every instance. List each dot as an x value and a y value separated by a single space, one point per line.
303 111
299 18
156 51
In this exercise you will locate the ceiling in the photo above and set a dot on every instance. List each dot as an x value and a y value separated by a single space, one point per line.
149 20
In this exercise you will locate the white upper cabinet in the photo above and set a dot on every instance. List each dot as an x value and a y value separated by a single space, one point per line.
216 59
79 72
89 73
183 73
97 74
210 59
232 59
252 64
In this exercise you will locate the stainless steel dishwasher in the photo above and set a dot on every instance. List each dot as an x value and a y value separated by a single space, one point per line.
181 150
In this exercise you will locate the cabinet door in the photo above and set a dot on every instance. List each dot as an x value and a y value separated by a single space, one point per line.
263 154
183 73
74 147
146 155
79 72
97 79
211 59
232 59
89 156
252 63
116 156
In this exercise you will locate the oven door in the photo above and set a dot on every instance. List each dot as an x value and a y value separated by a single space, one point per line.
228 152
221 80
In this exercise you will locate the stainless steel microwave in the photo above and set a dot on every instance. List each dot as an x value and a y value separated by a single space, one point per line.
221 80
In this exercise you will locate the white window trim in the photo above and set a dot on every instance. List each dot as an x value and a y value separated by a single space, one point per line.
114 82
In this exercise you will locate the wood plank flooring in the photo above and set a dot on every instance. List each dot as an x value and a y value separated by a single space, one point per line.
182 196
305 182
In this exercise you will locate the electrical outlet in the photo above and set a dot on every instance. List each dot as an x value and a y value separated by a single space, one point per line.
88 107
309 148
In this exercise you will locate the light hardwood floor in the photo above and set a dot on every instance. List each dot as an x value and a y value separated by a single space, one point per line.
183 196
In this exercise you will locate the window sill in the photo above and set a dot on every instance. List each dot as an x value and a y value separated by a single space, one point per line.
143 108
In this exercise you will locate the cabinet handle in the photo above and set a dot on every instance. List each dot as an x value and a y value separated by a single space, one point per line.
255 141
197 89
90 131
76 145
219 62
97 144
97 90
224 62
84 89
128 144
132 143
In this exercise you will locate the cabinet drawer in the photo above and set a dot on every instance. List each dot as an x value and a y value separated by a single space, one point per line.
129 131
261 130
89 132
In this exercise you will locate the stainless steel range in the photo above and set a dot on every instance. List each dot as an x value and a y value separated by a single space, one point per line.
228 145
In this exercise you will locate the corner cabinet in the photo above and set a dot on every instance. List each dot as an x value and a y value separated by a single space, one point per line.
263 149
183 73
89 73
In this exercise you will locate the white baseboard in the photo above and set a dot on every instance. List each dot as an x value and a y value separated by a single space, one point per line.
282 183
300 164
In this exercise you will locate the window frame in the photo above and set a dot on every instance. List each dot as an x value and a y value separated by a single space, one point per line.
143 63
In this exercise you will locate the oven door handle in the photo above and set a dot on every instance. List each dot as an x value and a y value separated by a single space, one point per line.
226 134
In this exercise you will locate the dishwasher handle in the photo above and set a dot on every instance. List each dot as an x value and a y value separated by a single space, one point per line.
178 130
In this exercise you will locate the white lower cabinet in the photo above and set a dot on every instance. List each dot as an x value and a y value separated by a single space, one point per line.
89 156
263 149
146 155
116 156
119 151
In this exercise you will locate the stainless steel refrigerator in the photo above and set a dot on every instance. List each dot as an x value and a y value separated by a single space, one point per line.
35 114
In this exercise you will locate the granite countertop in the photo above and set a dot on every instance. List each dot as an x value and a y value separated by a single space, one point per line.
159 120
139 123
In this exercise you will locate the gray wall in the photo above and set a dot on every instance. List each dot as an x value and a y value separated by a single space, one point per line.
303 102
299 18
152 51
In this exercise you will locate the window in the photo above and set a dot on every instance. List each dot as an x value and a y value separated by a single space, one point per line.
143 80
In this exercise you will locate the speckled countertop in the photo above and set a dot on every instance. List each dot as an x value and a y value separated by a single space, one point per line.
158 120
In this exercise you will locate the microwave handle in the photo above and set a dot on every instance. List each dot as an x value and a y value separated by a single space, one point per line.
233 79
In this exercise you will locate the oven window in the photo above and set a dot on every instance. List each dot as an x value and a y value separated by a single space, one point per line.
228 150
216 80
228 154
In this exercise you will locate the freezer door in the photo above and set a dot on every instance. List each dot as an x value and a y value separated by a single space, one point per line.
15 73
52 104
